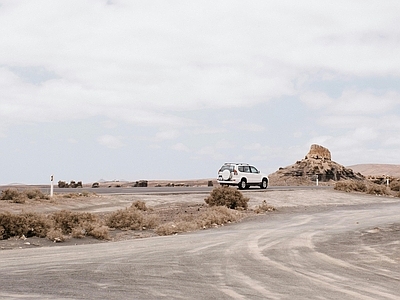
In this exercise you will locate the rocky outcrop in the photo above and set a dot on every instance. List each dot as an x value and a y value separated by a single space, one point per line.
317 164
318 152
141 183
72 184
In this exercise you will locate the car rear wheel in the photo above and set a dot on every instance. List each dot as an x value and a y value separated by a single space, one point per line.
242 184
264 184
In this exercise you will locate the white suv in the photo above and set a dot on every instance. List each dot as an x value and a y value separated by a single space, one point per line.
242 175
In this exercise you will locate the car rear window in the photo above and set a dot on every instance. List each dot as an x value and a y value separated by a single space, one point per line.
224 167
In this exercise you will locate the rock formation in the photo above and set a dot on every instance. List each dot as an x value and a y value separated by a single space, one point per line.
317 164
318 152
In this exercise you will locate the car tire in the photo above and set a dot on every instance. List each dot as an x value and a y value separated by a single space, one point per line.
242 184
264 184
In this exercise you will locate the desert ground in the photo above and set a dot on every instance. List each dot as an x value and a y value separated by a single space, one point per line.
319 243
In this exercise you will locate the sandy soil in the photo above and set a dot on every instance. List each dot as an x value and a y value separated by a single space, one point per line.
176 207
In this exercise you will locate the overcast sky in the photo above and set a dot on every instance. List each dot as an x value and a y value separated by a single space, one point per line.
129 90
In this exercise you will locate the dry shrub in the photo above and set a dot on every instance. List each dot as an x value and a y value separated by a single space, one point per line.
71 195
377 189
140 205
100 232
74 223
131 218
20 197
226 196
56 235
9 194
212 216
27 224
36 194
395 185
13 195
217 215
351 186
264 207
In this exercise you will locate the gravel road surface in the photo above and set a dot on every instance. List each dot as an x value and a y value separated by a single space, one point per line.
318 245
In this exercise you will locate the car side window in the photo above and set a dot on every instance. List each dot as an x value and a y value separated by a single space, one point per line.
240 169
246 169
254 170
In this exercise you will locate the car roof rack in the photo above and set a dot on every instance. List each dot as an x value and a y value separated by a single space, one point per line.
244 164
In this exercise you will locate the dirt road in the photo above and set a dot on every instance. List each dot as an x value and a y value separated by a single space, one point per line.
318 245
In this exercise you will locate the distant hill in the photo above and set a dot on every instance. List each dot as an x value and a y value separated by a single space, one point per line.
377 169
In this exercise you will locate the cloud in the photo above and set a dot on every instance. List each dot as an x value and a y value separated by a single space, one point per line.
110 141
180 147
150 61
167 135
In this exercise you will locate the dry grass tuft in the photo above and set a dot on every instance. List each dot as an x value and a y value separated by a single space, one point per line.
226 196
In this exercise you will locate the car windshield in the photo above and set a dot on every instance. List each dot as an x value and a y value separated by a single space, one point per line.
253 170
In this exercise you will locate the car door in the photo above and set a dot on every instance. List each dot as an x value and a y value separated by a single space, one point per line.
255 175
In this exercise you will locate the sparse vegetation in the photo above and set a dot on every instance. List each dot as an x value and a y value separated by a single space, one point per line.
223 205
226 196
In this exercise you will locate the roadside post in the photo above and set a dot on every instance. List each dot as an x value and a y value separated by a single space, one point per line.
51 185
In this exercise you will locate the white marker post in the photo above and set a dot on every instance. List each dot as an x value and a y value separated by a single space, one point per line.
51 185
317 181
